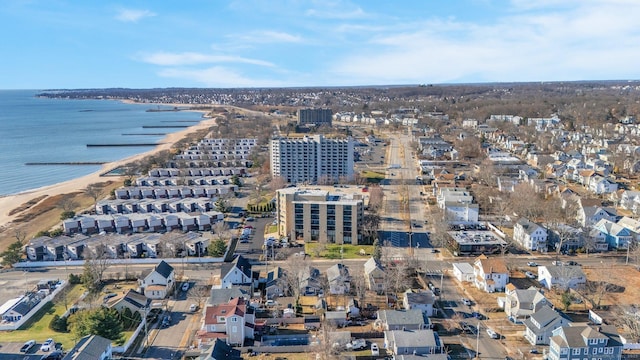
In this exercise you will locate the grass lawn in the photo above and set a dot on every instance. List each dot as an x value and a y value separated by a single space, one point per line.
332 251
37 328
271 229
372 175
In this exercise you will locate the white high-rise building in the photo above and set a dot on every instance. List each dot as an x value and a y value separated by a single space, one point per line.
312 158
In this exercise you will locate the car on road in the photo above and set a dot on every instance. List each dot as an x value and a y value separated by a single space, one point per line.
557 263
244 241
532 263
492 334
466 301
166 321
27 346
185 286
193 307
530 275
572 263
250 218
375 350
48 345
393 174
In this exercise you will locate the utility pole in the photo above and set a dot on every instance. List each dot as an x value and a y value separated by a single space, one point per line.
478 341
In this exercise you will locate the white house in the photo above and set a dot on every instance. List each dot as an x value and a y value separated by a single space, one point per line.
422 300
490 274
374 275
237 272
463 272
561 276
522 303
530 235
160 282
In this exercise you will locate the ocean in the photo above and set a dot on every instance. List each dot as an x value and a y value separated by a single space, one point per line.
42 130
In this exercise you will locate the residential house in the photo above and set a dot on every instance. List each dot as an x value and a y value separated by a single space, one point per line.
132 300
585 342
540 325
563 237
561 276
490 274
311 282
220 350
590 215
93 347
413 319
630 200
420 300
339 279
158 283
632 224
616 235
273 284
14 310
374 275
237 272
522 303
601 185
529 235
412 342
222 296
463 272
233 321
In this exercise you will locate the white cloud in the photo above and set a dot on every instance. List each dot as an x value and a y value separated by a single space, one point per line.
267 36
219 76
193 58
589 41
339 10
133 15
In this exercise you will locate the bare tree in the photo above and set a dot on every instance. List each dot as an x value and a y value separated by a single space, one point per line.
93 191
595 291
376 196
277 183
220 228
359 285
295 271
628 317
67 203
200 293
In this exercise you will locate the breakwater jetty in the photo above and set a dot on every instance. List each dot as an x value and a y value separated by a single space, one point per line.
68 163
123 145
163 126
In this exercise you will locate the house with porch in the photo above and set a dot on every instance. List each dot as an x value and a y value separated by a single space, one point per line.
490 274
540 325
529 235
159 282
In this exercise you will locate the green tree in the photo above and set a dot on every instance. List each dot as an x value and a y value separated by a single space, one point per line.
13 254
377 250
67 215
217 248
235 180
101 321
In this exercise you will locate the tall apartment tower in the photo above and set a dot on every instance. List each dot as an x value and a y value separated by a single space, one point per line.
311 158
316 117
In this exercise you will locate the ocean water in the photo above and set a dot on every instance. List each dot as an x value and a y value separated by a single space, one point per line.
36 129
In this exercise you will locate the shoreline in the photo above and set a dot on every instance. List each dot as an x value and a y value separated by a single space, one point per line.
11 201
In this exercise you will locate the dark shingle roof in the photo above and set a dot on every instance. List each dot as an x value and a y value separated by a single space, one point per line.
164 269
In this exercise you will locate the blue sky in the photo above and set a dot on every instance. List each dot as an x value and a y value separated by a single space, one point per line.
282 43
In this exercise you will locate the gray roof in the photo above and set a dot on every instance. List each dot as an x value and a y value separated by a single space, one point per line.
221 351
338 272
424 297
546 317
577 336
371 265
413 338
565 271
222 296
401 317
89 347
529 226
240 262
527 298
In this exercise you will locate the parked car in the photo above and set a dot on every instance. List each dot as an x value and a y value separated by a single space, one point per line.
166 321
492 334
572 263
466 301
250 218
55 355
27 346
185 286
48 345
375 351
530 275
193 307
557 263
532 263
357 344
270 303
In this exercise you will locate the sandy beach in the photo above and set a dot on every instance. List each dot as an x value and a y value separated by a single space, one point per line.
10 202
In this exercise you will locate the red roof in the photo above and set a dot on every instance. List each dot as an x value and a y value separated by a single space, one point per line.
235 306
